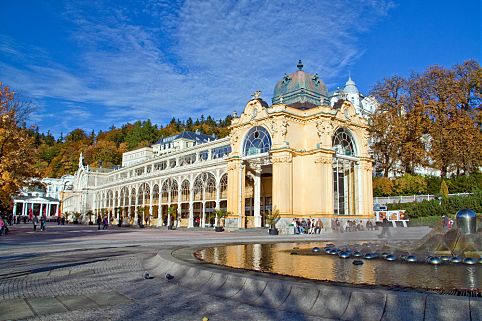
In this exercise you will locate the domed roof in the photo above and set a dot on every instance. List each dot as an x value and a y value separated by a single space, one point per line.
300 89
350 87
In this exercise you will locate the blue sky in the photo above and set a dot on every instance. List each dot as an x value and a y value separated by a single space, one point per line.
94 64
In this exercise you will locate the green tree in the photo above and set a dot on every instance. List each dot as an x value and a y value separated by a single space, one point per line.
444 190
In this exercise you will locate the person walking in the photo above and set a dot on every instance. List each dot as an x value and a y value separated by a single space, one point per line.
385 228
106 223
35 222
43 223
2 226
99 221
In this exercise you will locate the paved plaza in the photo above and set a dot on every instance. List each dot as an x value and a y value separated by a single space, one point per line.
76 272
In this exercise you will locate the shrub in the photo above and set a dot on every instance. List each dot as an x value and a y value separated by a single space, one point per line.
444 190
448 206
382 186
410 185
415 184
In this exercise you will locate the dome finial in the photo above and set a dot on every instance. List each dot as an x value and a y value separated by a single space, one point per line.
300 65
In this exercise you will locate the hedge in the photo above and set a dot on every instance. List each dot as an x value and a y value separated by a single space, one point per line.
449 205
415 184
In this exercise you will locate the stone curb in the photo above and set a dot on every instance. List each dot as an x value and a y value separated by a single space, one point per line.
326 301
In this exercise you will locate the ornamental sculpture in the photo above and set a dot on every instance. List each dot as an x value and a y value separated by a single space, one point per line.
323 128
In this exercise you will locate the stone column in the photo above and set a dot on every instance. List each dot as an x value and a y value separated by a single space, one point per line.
179 191
203 217
218 202
136 213
168 207
159 206
324 164
236 181
48 209
191 205
283 182
129 210
151 198
14 208
41 209
257 198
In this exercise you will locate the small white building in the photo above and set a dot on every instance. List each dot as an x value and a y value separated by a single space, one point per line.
43 197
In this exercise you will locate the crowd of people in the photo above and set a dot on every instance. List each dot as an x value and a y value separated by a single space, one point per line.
309 226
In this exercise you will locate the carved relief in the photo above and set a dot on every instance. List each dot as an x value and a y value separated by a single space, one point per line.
273 127
323 128
324 160
282 159
284 129
366 138
233 137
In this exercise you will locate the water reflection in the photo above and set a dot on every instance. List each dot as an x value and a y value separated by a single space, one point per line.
277 258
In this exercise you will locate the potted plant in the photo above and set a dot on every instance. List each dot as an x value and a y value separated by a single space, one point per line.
66 215
77 216
90 214
140 215
219 214
121 216
272 217
171 216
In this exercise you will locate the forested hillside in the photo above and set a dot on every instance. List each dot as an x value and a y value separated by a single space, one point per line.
59 156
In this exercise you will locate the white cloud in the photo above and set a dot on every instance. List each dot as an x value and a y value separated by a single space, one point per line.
185 57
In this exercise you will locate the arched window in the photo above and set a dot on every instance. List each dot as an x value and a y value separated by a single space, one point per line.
343 143
210 183
185 191
224 186
258 141
155 194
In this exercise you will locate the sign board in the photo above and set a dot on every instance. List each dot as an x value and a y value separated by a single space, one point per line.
392 216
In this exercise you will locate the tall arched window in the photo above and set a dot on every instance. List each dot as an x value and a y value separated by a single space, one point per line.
258 141
343 143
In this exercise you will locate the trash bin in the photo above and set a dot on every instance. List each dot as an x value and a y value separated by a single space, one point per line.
466 221
291 229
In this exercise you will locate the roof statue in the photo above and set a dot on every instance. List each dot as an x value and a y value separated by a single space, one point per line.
256 94
81 160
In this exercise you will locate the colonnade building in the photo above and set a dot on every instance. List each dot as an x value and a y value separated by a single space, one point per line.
305 155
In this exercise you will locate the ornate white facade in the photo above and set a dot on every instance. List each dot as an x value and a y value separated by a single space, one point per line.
300 156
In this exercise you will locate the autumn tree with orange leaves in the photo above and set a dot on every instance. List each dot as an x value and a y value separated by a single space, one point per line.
17 153
430 119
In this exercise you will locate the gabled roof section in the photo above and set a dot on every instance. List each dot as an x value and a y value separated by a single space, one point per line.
193 136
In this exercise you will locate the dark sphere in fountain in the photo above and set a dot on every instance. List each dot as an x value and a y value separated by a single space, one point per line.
411 258
357 254
344 255
470 261
456 259
390 257
435 260
445 258
370 256
316 250
357 262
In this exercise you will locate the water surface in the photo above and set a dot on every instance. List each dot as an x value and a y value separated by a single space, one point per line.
277 258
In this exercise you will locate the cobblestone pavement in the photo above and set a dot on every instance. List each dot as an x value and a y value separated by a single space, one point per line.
80 273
